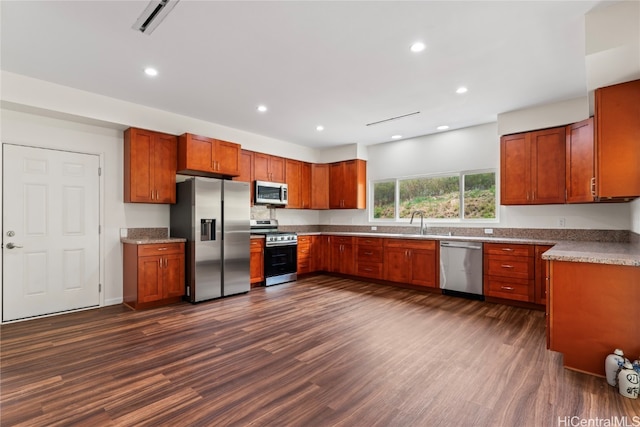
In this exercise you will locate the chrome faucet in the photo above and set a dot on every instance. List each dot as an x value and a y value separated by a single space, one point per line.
421 213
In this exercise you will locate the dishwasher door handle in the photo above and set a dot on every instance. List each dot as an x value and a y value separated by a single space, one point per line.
454 245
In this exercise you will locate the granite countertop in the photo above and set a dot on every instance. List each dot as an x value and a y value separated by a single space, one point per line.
595 253
573 251
152 240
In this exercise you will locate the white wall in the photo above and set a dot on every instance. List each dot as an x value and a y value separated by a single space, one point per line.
469 149
544 116
33 130
635 216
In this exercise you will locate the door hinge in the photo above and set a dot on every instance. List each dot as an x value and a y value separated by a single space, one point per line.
99 287
99 171
99 229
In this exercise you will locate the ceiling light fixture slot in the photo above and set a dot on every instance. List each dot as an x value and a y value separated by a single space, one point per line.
393 118
153 15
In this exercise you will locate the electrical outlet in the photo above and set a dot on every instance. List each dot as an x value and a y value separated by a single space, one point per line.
374 228
488 231
562 222
124 233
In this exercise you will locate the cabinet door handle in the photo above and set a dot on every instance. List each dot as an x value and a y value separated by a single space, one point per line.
506 266
593 186
506 288
151 194
166 262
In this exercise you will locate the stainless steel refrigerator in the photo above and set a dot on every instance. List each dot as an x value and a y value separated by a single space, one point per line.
213 215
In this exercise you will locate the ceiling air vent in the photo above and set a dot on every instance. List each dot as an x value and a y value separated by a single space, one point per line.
153 15
393 118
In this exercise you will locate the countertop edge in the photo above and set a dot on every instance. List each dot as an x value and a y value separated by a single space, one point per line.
152 241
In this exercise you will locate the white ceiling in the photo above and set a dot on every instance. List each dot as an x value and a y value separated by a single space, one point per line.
339 64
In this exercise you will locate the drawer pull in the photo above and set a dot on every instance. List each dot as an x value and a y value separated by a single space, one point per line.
507 249
506 266
367 269
506 288
162 249
368 253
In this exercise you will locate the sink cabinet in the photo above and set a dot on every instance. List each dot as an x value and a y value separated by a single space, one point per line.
411 261
154 274
149 166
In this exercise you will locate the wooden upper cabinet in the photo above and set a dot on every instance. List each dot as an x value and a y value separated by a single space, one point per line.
305 185
200 155
347 185
268 168
293 173
532 167
617 130
149 166
580 162
246 171
319 186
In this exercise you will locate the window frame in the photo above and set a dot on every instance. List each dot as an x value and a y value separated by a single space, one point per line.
461 218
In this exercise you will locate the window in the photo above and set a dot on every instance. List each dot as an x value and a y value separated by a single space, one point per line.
461 196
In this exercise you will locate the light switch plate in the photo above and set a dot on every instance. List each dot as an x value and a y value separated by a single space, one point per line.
124 233
488 231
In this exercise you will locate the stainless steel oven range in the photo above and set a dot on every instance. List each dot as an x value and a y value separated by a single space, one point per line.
280 252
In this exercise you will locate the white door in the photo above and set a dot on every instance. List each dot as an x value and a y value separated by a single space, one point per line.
50 235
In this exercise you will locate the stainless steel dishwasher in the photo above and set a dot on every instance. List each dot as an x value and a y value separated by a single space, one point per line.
461 269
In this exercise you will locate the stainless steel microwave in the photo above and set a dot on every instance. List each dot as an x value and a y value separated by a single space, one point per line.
271 193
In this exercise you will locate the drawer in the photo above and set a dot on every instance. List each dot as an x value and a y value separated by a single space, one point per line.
160 249
369 269
302 240
256 245
374 242
304 252
304 266
519 290
341 239
508 249
410 244
369 254
509 266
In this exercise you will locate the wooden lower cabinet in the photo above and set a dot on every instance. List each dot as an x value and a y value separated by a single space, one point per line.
509 272
369 257
154 274
256 262
593 309
322 258
411 261
342 255
541 275
306 259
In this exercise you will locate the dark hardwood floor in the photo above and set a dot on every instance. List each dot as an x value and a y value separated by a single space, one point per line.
322 351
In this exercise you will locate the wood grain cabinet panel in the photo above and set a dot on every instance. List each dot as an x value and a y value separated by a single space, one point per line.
246 172
617 128
319 186
369 257
149 166
268 168
580 172
532 167
306 256
293 173
411 261
154 274
342 253
347 185
509 272
201 155
541 274
256 262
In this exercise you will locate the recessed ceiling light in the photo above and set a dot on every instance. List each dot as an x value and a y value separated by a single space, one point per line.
418 47
443 127
262 108
319 128
461 89
396 136
152 72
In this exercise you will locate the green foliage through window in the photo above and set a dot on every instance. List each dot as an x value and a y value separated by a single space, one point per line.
438 196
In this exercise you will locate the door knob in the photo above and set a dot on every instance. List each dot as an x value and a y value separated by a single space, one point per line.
10 245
